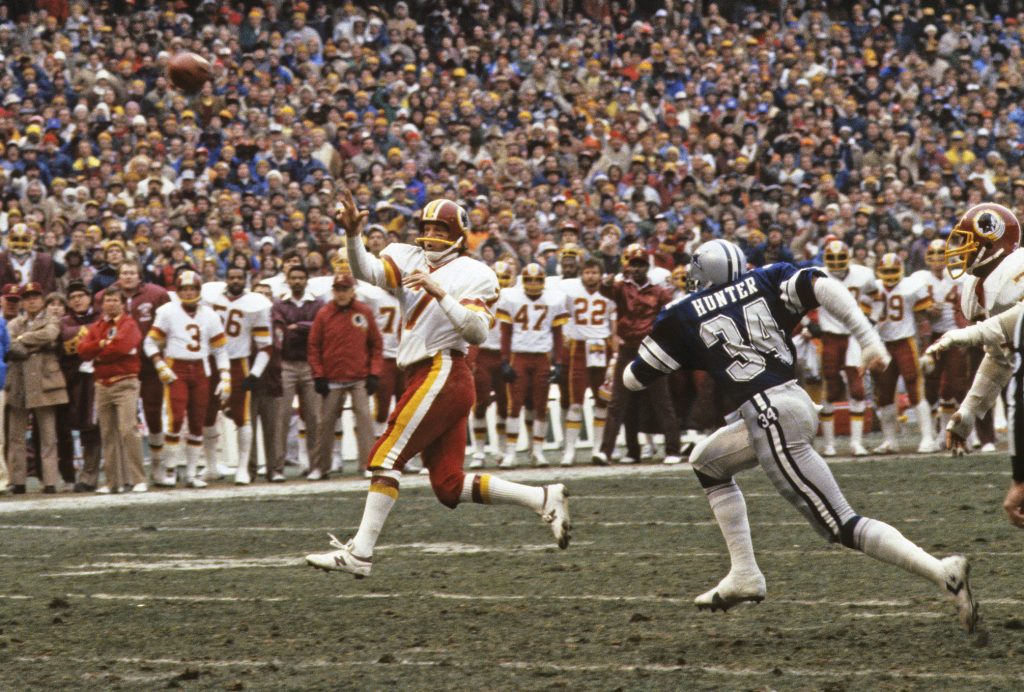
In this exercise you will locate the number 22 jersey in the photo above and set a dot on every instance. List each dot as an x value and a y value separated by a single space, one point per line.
739 333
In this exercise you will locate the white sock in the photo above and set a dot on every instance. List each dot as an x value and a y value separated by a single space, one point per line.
573 421
379 428
883 542
191 460
730 510
828 425
887 419
210 437
244 445
599 418
375 513
540 433
512 433
856 421
924 421
497 491
479 434
502 435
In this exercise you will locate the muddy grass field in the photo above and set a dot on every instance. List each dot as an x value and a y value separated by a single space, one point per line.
212 593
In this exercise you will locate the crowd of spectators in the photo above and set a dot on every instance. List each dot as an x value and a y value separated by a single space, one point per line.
878 123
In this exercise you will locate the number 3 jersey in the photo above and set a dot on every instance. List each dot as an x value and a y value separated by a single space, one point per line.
182 336
532 319
739 333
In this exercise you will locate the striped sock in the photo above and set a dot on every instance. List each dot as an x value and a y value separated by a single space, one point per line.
379 501
485 489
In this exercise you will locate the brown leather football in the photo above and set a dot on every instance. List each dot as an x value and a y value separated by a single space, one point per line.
188 71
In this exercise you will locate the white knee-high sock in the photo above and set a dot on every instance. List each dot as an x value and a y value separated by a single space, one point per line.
730 510
512 433
600 414
244 445
573 421
828 425
925 421
883 542
379 502
479 434
857 421
497 491
210 437
502 435
540 433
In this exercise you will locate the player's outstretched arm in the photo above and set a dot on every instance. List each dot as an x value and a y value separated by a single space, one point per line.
995 331
838 300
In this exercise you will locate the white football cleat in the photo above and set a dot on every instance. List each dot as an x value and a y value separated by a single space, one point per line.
210 474
196 482
477 460
858 450
277 478
165 477
673 459
242 475
341 560
556 513
647 452
568 457
733 589
887 447
599 459
958 585
829 451
539 459
627 460
314 475
988 447
928 447
509 460
140 488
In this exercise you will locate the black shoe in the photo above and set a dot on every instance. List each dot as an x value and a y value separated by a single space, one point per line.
18 489
50 490
81 487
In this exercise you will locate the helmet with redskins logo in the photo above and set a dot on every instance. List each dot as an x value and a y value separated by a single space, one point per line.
20 239
449 216
533 279
935 254
633 251
570 250
889 269
981 239
837 257
188 279
506 273
340 264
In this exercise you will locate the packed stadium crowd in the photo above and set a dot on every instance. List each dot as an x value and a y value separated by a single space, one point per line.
582 140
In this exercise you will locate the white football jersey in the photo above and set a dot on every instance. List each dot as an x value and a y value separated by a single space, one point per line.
532 319
590 313
860 282
246 319
182 336
388 312
493 340
945 293
1001 289
895 307
426 330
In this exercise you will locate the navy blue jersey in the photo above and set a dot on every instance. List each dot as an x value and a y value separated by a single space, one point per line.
739 333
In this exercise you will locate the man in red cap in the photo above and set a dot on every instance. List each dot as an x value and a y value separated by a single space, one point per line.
345 355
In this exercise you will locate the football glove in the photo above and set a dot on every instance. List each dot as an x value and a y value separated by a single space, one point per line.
164 372
372 383
250 382
223 391
556 373
507 372
321 386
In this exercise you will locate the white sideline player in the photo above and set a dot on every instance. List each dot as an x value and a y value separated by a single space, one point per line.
738 330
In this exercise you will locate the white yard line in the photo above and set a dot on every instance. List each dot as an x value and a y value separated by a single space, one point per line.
776 672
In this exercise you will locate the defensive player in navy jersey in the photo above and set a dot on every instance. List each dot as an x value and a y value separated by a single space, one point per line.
737 329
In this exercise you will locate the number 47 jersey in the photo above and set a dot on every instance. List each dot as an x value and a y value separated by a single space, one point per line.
739 333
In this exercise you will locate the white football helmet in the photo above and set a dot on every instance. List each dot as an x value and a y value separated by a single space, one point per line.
716 263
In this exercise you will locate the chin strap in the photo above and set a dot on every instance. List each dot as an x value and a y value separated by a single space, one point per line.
437 257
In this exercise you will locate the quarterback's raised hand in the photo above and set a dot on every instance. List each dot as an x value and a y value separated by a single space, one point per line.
349 216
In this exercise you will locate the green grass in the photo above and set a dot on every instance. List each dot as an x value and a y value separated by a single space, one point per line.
213 595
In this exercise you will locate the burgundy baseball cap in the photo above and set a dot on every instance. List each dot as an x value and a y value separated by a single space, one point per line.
12 291
344 281
31 288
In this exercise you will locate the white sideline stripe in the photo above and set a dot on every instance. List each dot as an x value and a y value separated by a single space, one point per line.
66 502
774 672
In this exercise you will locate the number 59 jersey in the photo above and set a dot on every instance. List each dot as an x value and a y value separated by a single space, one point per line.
532 319
895 307
739 332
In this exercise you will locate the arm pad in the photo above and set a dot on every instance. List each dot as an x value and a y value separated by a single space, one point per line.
150 347
471 325
259 363
838 300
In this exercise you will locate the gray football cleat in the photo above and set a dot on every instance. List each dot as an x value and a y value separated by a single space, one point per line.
733 589
958 585
341 560
556 513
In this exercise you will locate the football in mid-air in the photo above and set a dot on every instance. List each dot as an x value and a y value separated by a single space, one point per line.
188 71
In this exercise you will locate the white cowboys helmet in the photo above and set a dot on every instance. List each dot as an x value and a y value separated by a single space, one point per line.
716 263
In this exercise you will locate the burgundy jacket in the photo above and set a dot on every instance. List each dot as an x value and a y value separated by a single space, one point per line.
637 307
345 344
285 313
44 272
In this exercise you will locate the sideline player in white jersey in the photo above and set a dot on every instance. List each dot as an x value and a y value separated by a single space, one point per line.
945 383
587 349
738 329
445 297
984 245
898 307
246 320
840 354
487 377
532 317
183 337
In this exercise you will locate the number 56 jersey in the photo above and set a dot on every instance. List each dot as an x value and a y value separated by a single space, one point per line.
739 332
246 319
